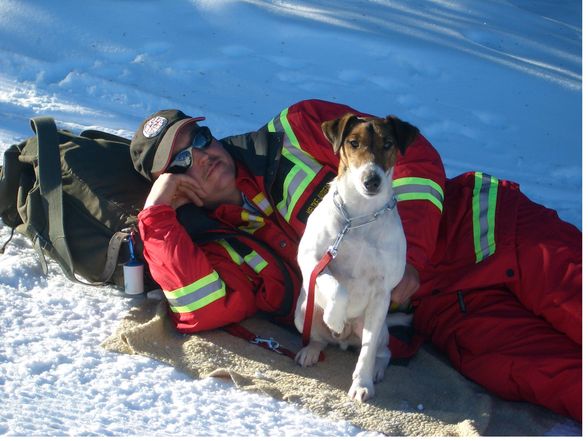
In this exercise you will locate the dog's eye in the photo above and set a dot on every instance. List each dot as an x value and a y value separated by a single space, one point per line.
354 143
388 145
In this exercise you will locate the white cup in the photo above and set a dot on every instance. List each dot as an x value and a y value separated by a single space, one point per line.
133 275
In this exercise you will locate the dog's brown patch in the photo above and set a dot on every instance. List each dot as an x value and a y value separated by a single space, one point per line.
359 140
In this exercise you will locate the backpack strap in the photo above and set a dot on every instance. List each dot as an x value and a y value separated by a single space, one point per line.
114 245
50 187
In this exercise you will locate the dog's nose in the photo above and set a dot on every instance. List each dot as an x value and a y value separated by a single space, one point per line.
372 182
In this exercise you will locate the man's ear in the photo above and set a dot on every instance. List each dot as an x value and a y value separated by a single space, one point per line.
336 130
404 132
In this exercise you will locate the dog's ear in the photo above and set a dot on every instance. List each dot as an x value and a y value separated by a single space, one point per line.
336 129
404 132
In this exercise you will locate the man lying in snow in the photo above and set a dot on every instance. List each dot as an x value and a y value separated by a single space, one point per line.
494 278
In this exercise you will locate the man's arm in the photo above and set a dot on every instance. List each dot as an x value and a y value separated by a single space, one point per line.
203 291
174 190
194 283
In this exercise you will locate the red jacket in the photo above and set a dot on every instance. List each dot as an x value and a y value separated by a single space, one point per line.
283 170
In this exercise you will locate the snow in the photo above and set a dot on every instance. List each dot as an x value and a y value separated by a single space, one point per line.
494 85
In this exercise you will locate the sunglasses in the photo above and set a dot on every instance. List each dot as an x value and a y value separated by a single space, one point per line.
183 160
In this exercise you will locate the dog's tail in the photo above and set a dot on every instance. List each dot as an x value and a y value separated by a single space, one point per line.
398 319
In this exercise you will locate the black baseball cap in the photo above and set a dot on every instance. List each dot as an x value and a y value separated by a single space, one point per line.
153 142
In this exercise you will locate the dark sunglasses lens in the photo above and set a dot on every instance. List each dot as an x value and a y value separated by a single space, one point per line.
202 138
181 162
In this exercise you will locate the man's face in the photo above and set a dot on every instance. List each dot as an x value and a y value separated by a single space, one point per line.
213 168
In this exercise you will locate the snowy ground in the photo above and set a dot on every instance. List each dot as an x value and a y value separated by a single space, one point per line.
495 85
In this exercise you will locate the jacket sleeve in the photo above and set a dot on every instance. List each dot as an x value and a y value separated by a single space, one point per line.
419 182
419 176
194 283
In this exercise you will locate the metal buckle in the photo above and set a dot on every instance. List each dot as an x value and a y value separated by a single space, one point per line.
270 342
332 251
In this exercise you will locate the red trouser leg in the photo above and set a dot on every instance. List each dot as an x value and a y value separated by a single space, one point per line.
521 341
502 346
549 255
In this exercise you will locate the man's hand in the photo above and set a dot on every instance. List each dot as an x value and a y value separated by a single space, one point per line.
409 284
175 190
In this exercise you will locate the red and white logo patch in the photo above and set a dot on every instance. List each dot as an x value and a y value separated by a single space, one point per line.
154 126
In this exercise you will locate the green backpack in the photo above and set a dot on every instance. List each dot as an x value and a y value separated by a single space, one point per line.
76 198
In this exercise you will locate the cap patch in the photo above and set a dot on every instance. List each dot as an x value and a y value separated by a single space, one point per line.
154 126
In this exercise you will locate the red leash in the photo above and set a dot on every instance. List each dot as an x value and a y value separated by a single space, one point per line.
310 297
320 266
267 343
271 344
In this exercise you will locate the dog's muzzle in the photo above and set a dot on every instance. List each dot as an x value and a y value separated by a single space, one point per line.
372 182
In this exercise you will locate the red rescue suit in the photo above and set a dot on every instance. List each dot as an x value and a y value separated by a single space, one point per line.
500 276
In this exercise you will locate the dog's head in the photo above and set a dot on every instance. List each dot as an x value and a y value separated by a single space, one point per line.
368 148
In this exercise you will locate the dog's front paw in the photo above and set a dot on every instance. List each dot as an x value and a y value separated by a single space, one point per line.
361 390
309 355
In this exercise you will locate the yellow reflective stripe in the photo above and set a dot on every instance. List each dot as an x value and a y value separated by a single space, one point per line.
493 198
235 257
297 155
413 189
255 261
219 294
294 185
271 127
261 201
288 129
304 170
247 216
253 222
484 200
419 181
196 295
420 197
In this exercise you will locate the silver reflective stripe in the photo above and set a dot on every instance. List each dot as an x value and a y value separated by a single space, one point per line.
255 261
292 145
291 183
415 189
304 169
196 295
263 204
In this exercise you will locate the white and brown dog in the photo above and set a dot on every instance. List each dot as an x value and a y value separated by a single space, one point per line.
358 217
